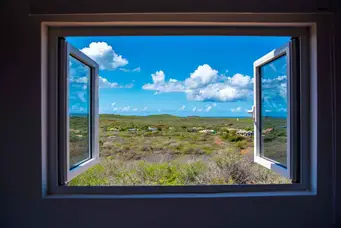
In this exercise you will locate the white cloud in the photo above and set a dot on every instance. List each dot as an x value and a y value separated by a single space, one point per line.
125 109
183 107
113 104
238 109
240 80
214 104
104 83
208 108
158 77
128 109
124 69
273 67
220 92
77 108
79 80
275 87
137 69
202 76
104 55
274 81
283 90
160 85
81 96
204 84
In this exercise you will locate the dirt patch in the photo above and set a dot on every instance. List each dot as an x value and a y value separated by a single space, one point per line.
248 153
158 158
184 159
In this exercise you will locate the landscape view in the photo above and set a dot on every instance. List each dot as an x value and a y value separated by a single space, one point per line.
192 128
170 150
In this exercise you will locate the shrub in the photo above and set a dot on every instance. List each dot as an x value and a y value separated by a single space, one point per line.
241 144
159 174
94 176
232 136
190 172
238 169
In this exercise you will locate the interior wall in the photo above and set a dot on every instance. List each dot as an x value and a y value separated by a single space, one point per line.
337 82
107 6
20 169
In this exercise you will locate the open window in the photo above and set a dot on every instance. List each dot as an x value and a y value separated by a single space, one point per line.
78 111
276 110
204 140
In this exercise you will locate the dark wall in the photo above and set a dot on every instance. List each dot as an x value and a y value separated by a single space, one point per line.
337 74
20 199
107 6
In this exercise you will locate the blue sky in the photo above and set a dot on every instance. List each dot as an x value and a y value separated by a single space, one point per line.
178 75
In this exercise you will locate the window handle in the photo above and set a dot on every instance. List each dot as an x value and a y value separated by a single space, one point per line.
252 112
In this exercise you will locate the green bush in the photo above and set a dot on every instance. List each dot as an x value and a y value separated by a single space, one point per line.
159 174
232 136
94 176
241 144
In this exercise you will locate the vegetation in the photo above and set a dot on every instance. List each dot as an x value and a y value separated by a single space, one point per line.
170 150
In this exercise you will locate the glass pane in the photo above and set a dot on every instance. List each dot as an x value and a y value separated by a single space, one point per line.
79 112
274 110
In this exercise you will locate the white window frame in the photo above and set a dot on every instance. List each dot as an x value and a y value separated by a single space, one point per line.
67 173
303 187
258 143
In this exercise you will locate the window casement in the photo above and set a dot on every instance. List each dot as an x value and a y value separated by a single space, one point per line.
76 159
282 161
293 162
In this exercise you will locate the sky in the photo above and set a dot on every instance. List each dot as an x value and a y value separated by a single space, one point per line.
208 76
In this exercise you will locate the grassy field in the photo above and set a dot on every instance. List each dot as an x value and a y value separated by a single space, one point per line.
170 150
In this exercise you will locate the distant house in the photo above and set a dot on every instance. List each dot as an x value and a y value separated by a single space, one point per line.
267 130
244 133
75 131
113 129
153 129
207 131
194 129
132 130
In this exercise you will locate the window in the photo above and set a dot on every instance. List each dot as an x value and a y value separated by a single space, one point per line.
275 134
276 131
78 112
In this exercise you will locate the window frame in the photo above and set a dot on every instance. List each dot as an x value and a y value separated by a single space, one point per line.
67 173
258 148
302 30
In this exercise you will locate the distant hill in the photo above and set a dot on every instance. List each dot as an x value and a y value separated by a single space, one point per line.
163 115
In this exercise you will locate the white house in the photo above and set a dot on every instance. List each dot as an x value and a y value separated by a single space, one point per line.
245 133
152 129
